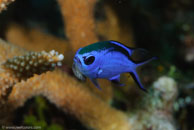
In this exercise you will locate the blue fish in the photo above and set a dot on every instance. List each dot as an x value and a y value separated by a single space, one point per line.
108 60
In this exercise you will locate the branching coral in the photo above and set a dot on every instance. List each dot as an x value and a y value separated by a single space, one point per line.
35 40
113 29
79 21
72 97
59 88
64 91
20 65
9 50
6 77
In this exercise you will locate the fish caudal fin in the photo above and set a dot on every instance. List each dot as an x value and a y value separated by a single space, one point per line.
137 80
147 61
135 75
95 82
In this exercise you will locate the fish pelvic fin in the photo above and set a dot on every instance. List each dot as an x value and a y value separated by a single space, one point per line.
95 82
147 61
137 80
116 80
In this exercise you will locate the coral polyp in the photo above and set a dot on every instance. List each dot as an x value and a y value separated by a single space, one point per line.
27 65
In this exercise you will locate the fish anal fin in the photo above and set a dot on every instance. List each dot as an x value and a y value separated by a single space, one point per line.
95 82
137 80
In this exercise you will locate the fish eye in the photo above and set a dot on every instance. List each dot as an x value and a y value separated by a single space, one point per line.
89 60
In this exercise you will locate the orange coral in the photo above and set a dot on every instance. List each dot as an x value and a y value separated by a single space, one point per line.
7 78
64 91
72 97
90 107
35 40
8 51
79 21
113 29
60 88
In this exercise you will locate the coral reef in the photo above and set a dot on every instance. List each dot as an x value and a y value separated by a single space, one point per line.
79 21
7 78
34 40
72 97
64 91
157 107
25 72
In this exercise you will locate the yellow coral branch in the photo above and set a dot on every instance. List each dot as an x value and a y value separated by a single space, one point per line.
8 50
35 40
79 21
7 78
72 97
60 89
113 28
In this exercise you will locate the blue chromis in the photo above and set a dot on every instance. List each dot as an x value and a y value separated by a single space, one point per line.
107 60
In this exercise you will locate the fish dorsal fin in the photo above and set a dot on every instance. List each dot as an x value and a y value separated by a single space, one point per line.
137 55
128 49
107 45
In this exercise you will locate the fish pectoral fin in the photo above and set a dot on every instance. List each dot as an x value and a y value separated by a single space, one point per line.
116 80
95 82
137 80
100 71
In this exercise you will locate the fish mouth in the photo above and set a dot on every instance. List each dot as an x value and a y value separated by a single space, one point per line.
77 72
77 60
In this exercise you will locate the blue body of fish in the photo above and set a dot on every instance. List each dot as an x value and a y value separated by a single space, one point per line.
107 60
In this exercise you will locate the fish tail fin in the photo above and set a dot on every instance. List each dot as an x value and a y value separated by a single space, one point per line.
147 61
135 75
137 80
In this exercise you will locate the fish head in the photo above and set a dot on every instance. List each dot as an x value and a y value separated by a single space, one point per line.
87 64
